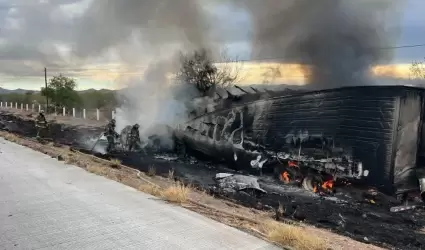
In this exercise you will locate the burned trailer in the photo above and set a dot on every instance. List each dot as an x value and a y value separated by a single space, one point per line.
372 134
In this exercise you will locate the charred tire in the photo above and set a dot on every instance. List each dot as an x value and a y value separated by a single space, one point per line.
293 172
310 182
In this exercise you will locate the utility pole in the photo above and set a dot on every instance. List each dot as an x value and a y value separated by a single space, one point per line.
47 97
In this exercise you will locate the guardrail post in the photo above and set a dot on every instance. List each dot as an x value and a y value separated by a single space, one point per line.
32 107
22 106
39 108
84 113
113 114
73 112
63 111
97 115
26 106
1 104
16 105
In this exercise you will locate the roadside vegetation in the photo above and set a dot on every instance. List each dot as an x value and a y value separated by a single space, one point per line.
196 68
168 189
61 92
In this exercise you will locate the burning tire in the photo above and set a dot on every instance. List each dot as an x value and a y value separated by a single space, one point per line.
288 174
311 182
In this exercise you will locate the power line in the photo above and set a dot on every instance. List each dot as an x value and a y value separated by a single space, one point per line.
405 46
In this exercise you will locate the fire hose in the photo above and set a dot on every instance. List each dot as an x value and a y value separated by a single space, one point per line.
94 145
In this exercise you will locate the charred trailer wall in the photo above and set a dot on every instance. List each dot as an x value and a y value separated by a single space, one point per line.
378 125
408 140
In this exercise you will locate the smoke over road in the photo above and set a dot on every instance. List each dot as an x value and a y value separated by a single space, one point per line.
340 39
147 32
153 100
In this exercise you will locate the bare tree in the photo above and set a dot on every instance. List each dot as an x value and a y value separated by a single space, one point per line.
271 74
229 71
417 70
198 69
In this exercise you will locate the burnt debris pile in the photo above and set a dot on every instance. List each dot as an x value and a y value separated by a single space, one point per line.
354 134
332 143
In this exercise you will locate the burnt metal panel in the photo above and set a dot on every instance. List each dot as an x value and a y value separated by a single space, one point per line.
377 125
360 120
407 139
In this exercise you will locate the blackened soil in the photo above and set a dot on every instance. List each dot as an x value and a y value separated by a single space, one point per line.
346 212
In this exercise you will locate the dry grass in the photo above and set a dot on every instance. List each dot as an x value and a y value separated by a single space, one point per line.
115 163
151 171
171 174
98 169
176 193
151 189
71 159
293 236
11 137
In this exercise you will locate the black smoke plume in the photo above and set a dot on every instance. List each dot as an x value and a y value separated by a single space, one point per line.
339 39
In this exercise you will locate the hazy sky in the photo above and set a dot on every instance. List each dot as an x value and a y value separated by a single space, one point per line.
40 33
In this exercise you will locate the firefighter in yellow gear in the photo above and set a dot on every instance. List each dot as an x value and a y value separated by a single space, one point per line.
40 123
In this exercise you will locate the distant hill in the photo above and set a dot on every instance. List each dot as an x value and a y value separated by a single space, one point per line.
97 90
13 91
23 91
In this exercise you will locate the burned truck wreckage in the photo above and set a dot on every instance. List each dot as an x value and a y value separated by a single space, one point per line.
370 135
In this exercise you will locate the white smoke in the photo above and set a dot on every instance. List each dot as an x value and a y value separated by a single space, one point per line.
155 101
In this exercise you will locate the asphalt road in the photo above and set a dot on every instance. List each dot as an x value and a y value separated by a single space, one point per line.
46 204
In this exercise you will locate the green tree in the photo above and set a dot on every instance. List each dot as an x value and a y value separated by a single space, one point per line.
28 97
98 98
61 92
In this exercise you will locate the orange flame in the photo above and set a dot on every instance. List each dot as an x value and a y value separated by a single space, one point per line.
292 164
328 185
285 177
315 189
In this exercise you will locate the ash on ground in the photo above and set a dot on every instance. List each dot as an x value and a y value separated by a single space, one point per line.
348 211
